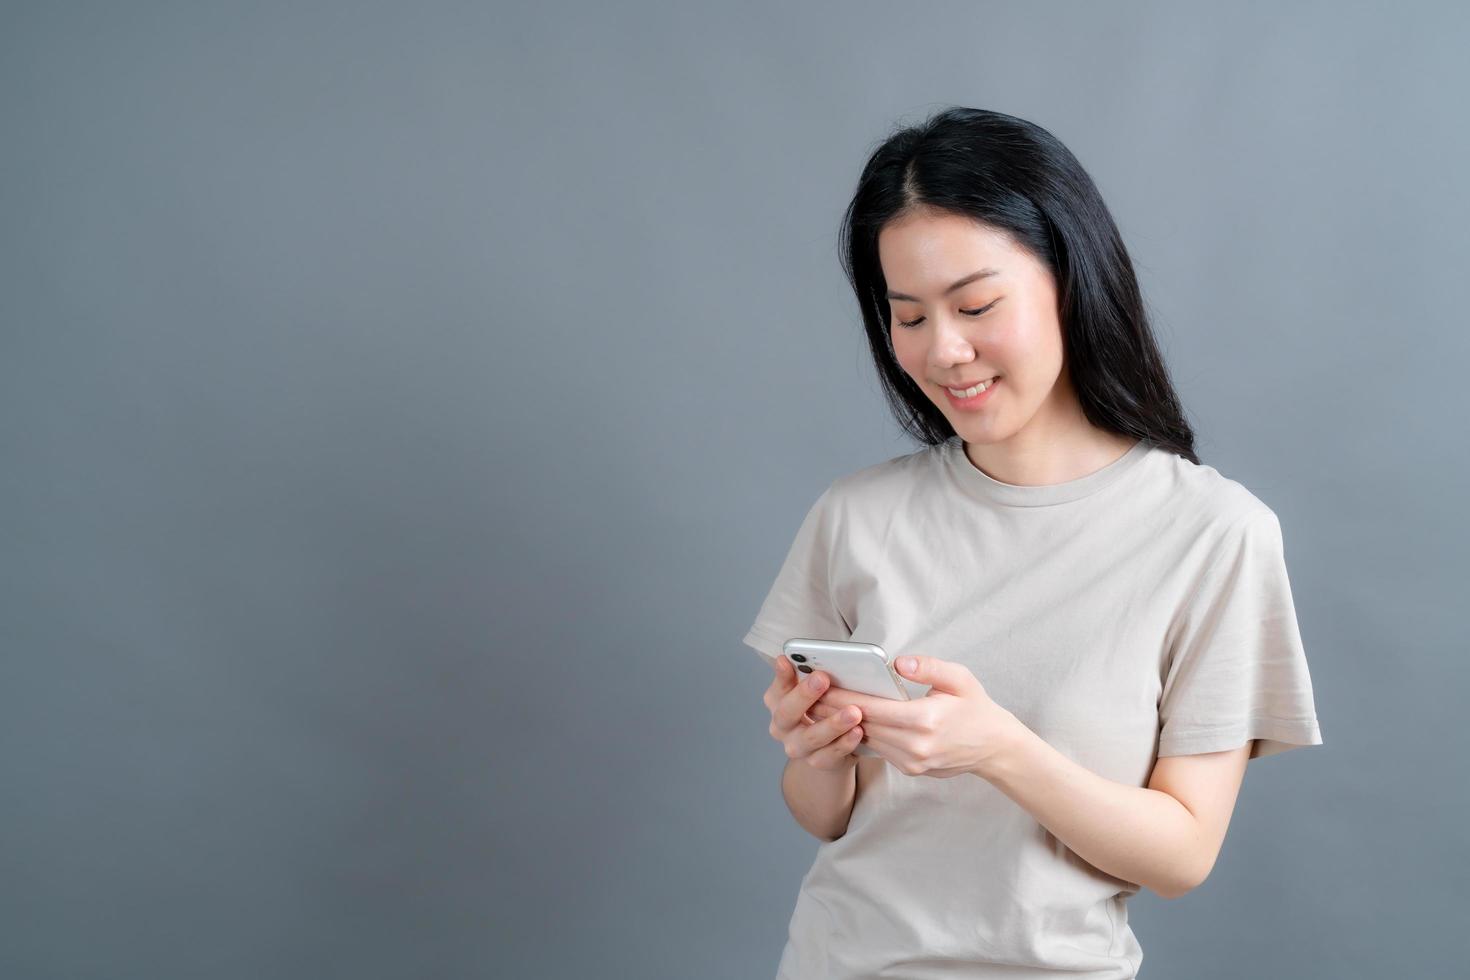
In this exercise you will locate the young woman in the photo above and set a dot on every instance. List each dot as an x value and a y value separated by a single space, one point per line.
1105 624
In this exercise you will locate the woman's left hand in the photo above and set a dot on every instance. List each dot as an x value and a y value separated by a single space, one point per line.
956 728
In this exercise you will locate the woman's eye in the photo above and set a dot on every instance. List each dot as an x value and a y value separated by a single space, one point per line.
910 324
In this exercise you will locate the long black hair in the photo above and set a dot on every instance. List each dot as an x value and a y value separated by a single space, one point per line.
1014 176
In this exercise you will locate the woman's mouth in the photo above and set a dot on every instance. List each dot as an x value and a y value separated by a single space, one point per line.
972 397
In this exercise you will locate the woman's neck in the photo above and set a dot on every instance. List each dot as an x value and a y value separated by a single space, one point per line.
1044 459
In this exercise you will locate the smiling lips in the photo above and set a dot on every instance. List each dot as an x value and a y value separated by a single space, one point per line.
973 397
965 390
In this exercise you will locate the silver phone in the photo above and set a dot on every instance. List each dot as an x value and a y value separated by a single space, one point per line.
853 666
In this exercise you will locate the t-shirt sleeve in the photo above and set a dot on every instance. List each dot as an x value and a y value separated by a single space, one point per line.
800 603
1237 671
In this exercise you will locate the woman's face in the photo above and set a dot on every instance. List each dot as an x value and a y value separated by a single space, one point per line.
950 343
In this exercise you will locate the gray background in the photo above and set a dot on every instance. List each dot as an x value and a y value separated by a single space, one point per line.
405 409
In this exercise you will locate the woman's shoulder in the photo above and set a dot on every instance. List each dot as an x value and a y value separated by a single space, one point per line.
1201 491
886 482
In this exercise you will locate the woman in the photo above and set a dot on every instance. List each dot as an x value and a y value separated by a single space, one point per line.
1105 625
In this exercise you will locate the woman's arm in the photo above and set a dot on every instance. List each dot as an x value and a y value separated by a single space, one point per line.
820 800
1138 834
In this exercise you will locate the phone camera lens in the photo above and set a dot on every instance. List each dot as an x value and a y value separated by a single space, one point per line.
799 657
804 669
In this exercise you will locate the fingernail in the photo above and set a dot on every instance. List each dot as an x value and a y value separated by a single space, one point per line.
814 682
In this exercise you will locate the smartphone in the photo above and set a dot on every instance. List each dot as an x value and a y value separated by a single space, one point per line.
853 666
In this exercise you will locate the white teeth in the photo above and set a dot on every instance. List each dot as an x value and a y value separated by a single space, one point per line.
971 392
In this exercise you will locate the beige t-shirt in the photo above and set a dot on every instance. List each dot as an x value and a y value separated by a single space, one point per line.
1139 611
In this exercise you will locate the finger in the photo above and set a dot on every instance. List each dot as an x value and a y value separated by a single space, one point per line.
832 754
875 711
784 678
945 676
799 698
886 710
781 681
822 710
785 672
825 731
889 733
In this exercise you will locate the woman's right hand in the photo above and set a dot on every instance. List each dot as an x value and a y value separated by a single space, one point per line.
827 744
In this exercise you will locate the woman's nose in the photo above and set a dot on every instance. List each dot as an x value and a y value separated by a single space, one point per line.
951 346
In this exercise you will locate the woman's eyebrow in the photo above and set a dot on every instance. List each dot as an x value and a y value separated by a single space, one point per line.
983 273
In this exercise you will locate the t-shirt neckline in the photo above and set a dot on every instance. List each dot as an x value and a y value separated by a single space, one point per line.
977 482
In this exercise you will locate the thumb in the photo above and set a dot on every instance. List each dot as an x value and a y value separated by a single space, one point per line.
941 675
